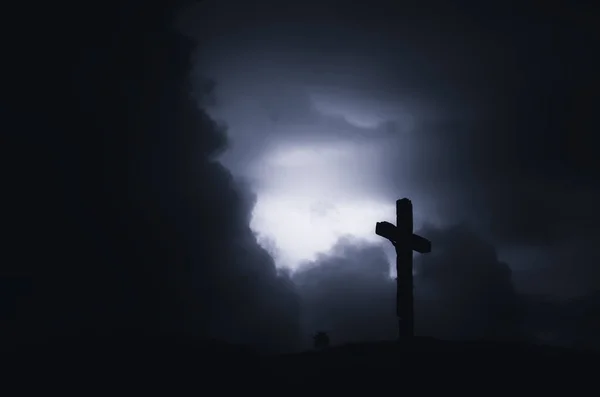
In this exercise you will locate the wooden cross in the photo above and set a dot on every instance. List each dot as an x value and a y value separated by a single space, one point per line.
405 242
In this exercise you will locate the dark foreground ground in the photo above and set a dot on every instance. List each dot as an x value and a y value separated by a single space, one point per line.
425 365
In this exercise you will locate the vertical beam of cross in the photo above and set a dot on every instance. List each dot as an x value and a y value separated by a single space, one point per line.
404 268
405 241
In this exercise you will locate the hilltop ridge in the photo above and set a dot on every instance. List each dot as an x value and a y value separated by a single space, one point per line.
148 362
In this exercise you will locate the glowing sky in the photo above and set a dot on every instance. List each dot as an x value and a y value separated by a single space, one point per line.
318 159
310 196
313 191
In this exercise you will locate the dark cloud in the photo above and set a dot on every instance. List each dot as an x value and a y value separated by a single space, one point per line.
502 105
143 231
572 323
569 271
523 168
465 291
526 157
501 102
462 291
349 294
131 225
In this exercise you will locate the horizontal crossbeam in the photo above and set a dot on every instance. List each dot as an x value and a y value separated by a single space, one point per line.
390 232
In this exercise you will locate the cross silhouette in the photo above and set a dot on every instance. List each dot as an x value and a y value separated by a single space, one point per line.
405 242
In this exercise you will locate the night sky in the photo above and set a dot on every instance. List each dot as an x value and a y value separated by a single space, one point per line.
216 171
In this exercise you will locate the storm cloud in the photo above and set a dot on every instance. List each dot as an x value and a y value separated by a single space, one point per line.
172 200
481 114
349 293
142 233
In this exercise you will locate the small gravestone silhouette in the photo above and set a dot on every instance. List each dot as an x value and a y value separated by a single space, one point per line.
405 242
321 340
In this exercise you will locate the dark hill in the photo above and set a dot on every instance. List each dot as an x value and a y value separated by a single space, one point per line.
186 366
386 362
